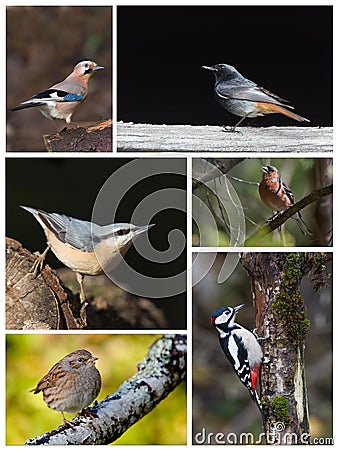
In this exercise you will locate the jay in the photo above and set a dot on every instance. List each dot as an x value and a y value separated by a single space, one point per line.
62 99
278 196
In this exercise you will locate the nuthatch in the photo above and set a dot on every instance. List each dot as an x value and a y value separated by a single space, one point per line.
84 247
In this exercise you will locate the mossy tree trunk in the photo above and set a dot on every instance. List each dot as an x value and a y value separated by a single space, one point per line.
281 322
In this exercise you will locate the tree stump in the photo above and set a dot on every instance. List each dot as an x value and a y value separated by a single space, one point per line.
45 303
91 138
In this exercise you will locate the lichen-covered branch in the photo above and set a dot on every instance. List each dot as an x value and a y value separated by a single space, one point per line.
158 374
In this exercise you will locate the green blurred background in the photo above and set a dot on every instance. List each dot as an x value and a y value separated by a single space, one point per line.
29 358
302 175
43 45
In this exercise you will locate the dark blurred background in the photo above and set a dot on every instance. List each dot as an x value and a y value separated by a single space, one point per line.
71 185
43 46
160 51
220 402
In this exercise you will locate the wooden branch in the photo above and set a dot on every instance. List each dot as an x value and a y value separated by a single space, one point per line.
186 138
158 374
89 138
280 219
310 198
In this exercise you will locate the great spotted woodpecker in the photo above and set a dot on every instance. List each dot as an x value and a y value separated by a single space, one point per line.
240 347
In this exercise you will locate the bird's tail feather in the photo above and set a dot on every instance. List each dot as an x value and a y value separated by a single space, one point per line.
256 399
271 108
27 105
292 115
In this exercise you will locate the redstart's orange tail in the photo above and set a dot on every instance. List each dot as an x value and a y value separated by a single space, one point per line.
271 108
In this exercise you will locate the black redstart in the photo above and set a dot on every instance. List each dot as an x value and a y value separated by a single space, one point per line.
244 98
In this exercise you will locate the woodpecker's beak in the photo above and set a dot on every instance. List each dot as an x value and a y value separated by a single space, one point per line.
213 69
98 68
237 308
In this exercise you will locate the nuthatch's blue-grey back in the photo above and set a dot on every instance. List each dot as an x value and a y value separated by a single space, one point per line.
84 247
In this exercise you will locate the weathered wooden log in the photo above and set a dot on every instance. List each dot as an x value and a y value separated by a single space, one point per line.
138 137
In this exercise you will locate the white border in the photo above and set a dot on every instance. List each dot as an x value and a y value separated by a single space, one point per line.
188 156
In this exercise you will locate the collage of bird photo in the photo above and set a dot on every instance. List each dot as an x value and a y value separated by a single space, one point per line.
168 204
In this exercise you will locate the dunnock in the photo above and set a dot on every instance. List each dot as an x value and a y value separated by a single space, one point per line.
72 384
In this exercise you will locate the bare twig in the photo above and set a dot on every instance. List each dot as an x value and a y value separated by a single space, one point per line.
214 168
281 218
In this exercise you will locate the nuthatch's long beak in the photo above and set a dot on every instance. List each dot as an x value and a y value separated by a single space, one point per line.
142 229
98 68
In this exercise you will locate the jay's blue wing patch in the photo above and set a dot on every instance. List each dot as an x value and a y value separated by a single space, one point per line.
73 97
58 95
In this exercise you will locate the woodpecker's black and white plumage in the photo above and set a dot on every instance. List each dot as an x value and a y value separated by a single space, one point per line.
240 347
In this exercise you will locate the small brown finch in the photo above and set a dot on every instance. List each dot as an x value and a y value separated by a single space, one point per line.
72 384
